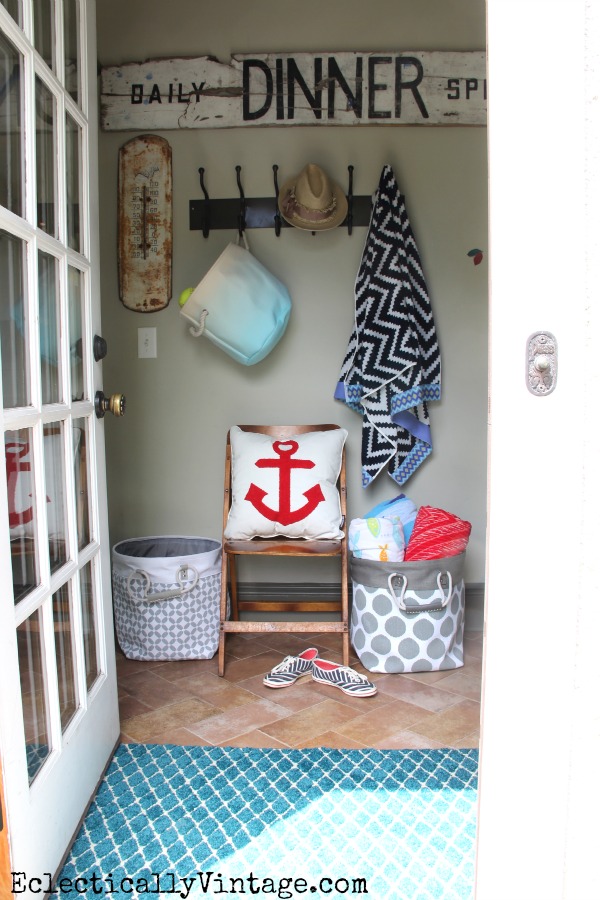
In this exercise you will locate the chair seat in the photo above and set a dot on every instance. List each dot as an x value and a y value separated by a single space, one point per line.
283 547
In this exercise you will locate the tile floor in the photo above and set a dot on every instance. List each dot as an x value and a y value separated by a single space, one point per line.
186 702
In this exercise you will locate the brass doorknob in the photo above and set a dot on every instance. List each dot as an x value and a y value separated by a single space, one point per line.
114 404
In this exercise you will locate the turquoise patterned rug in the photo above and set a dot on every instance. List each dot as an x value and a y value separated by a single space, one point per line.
171 821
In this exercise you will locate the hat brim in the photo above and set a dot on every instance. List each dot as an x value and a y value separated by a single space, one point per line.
341 209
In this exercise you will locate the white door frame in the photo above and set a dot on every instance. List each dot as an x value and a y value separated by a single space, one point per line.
538 788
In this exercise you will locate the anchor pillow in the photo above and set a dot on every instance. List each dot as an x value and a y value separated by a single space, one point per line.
285 486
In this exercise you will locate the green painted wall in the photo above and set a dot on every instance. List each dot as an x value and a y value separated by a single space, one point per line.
165 458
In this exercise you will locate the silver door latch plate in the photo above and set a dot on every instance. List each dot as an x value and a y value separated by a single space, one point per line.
541 363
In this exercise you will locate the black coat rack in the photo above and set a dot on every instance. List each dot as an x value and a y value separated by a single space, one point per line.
262 212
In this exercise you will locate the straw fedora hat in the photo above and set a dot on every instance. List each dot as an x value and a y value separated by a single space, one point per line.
312 201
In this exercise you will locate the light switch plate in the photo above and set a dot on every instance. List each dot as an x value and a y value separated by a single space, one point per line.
147 348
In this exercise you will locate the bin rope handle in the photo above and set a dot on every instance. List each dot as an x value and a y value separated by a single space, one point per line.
182 576
416 609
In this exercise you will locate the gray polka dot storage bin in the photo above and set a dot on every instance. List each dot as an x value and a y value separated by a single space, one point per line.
166 596
408 616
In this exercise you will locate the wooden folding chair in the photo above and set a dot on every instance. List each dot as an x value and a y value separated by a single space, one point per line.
282 546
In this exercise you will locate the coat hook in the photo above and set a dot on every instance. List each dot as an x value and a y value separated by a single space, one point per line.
242 213
350 199
277 215
206 217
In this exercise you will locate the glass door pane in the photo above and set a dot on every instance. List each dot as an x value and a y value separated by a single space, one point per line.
11 184
33 689
20 483
80 455
13 317
73 138
45 147
76 299
65 657
71 20
49 330
56 507
13 7
88 615
43 29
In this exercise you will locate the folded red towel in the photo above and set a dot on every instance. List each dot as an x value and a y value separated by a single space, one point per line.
437 534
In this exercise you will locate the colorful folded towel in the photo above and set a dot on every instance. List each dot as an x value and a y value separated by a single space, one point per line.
437 534
377 538
397 506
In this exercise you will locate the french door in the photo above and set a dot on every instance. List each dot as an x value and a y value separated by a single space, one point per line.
58 706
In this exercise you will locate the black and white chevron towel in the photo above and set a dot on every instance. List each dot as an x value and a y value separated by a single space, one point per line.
392 367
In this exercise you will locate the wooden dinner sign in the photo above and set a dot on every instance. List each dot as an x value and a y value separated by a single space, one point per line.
395 88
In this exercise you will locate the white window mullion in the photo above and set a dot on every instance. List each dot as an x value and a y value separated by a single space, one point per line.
70 496
78 644
61 185
84 61
33 322
41 522
51 682
27 7
84 181
59 44
28 137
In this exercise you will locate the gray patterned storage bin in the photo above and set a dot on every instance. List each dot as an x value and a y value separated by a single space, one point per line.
166 595
408 616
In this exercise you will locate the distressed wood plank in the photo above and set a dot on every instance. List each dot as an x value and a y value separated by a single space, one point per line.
382 88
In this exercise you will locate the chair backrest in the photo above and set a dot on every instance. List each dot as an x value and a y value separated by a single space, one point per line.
283 431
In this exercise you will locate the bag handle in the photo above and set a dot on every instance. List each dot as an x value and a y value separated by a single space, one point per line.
242 239
411 610
198 330
182 576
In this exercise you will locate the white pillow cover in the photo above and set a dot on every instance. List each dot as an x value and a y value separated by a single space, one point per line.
285 486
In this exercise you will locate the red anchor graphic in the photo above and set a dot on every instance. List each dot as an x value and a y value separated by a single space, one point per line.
285 515
14 453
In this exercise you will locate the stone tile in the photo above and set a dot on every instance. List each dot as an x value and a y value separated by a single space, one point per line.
225 726
152 690
382 723
473 644
255 739
360 704
217 691
425 696
407 740
240 669
160 722
297 696
177 669
421 710
463 683
182 737
127 666
332 739
452 725
130 707
470 741
315 720
428 677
